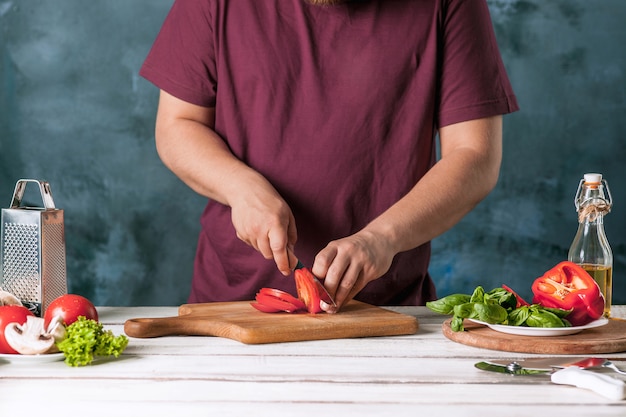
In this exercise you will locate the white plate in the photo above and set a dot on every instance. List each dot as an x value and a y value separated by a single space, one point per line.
543 331
31 359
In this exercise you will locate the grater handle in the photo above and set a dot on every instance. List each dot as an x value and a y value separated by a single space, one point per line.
44 188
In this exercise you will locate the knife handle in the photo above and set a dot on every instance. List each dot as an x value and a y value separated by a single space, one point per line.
604 385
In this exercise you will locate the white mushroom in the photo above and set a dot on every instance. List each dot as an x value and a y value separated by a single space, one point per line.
56 328
8 299
31 338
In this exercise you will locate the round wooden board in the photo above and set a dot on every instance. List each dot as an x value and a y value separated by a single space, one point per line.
610 338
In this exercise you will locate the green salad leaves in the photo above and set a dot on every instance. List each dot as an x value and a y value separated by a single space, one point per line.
497 306
85 339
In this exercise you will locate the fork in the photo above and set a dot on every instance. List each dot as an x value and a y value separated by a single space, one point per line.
611 365
596 363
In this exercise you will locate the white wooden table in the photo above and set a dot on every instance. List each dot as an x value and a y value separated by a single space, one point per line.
420 375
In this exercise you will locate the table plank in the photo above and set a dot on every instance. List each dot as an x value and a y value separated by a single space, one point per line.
202 398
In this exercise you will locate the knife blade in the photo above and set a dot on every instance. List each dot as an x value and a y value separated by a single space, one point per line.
324 295
511 368
604 385
553 362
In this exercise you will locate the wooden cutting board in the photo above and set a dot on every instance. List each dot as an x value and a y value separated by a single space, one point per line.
610 338
240 321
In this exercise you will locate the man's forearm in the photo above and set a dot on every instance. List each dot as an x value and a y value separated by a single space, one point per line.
191 149
453 187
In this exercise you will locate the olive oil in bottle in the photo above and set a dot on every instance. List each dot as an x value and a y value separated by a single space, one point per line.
590 247
604 277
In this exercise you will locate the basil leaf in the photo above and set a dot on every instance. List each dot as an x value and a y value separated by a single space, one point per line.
540 317
446 304
466 311
502 297
491 313
478 296
457 324
559 311
519 316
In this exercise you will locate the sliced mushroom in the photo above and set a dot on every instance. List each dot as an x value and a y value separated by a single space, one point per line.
8 299
56 328
31 338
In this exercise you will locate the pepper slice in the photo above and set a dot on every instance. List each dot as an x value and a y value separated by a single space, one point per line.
308 292
283 296
520 301
265 309
271 300
568 286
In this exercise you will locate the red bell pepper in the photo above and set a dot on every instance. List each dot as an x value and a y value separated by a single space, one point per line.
271 300
568 286
307 289
520 301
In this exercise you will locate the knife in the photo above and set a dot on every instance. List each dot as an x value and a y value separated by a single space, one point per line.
548 363
604 385
324 295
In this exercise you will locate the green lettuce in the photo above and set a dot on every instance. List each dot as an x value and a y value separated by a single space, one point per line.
86 339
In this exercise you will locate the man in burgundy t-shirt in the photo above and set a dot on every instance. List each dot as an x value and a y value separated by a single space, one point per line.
312 128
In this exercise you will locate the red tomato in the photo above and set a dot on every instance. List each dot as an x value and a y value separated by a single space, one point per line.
307 290
70 307
11 314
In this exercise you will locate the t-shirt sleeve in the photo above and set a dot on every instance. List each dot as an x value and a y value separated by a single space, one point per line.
474 82
182 59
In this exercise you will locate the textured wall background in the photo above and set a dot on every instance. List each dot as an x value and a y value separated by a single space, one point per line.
74 111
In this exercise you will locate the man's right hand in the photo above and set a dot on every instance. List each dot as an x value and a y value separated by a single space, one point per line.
264 221
189 146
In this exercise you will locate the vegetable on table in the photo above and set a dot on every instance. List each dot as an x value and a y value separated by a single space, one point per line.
536 315
498 306
490 307
70 325
69 307
86 339
568 286
308 292
32 338
272 300
11 314
520 301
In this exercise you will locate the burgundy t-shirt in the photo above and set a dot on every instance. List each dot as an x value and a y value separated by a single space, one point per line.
337 107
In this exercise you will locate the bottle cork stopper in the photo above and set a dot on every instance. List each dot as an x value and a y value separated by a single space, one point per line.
593 177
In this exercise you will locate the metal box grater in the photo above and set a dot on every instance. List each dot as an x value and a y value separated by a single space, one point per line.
32 250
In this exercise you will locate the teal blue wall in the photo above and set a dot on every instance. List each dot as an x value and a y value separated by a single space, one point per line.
74 111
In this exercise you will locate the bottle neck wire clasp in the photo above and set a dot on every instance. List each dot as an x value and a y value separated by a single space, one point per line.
592 200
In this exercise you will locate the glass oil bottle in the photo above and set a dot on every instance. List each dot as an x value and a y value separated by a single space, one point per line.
590 247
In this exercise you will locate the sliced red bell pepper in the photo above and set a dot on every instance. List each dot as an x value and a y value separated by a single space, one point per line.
520 301
307 290
283 296
569 286
270 300
265 309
